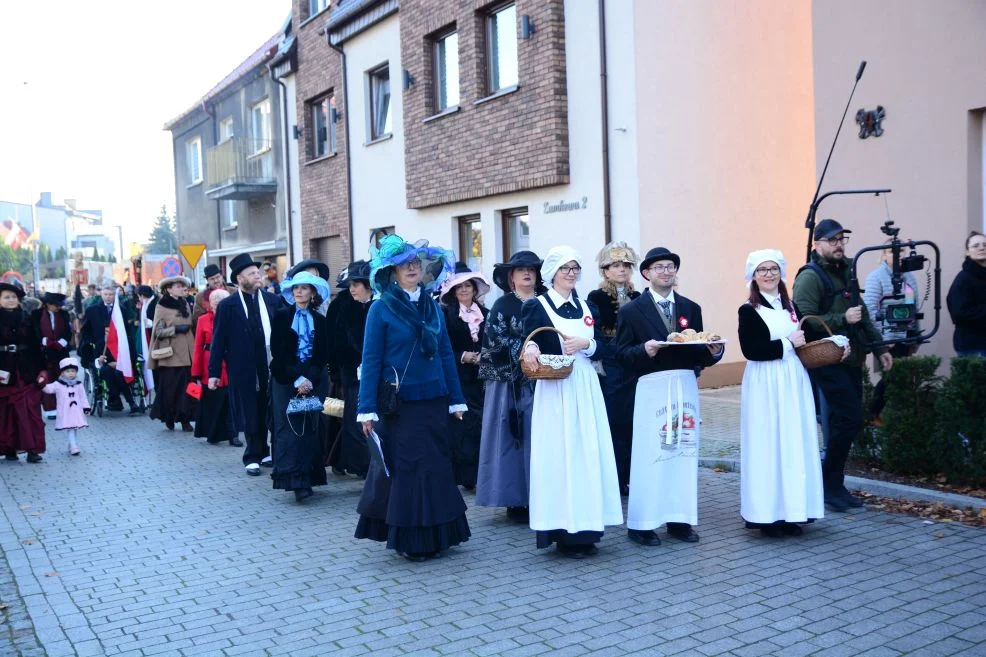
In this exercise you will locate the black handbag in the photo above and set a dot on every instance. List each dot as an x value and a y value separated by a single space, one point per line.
388 394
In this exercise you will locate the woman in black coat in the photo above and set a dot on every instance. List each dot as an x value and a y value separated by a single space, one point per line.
967 299
299 344
22 374
465 319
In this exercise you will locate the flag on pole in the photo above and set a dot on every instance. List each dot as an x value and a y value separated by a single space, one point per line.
117 343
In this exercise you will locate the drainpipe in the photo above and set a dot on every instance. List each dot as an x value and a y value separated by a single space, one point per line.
604 110
285 163
349 164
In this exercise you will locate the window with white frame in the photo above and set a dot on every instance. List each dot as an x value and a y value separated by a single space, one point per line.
501 48
323 115
193 160
446 67
471 241
516 231
226 129
381 122
316 7
260 126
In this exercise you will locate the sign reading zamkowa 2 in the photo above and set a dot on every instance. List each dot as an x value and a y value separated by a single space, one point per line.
563 206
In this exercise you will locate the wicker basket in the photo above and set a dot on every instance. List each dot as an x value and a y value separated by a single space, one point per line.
549 367
819 353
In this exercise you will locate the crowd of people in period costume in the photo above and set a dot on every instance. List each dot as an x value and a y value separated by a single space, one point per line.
439 390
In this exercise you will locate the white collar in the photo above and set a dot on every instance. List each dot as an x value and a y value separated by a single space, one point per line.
413 296
658 297
558 299
773 299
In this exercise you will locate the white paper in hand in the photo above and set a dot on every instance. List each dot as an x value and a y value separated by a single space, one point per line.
376 451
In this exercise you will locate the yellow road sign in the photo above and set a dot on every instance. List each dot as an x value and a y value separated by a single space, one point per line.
192 253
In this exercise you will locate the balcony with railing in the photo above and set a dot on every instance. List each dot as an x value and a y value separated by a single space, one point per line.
240 169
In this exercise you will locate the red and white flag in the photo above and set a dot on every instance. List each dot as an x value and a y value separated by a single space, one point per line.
117 343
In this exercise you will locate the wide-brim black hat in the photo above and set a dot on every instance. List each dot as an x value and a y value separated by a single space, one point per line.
659 253
358 271
7 287
501 271
239 263
54 298
211 270
320 267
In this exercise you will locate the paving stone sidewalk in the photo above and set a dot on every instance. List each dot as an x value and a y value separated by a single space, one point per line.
153 543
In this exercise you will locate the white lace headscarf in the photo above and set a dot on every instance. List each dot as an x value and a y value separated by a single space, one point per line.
558 256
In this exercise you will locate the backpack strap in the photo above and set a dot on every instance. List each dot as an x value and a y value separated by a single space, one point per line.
828 297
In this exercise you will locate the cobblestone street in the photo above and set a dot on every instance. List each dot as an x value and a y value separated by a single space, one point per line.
154 543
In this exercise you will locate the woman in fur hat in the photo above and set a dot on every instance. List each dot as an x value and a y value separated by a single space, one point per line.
173 329
22 373
616 264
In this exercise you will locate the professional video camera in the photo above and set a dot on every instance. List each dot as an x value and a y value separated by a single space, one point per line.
899 313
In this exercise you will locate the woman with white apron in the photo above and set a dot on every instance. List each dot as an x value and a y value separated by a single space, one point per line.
780 476
574 487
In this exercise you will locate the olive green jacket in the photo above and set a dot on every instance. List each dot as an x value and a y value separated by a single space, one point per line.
808 296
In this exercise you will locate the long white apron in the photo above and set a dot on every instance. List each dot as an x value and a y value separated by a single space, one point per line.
781 474
664 460
573 470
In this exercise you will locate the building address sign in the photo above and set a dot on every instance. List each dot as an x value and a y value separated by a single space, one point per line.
566 206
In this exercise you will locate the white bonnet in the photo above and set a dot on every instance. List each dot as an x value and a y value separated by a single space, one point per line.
757 258
557 257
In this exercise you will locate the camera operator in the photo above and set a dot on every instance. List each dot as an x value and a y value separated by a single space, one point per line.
878 295
822 288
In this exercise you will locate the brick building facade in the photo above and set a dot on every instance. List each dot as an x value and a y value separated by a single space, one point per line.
323 176
493 141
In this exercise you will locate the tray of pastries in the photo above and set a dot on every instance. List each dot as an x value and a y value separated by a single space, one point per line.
691 336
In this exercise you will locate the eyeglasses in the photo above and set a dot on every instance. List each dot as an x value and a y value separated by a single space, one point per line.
836 241
767 271
411 264
565 270
663 268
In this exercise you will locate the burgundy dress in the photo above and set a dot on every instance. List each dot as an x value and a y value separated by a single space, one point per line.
21 426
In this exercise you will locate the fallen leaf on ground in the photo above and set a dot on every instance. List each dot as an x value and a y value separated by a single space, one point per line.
52 574
930 511
28 541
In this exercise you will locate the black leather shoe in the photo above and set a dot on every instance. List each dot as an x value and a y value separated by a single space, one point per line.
837 502
592 550
685 534
853 501
34 458
791 529
644 537
570 553
11 457
519 514
416 558
114 406
772 531
135 411
301 494
235 442
170 425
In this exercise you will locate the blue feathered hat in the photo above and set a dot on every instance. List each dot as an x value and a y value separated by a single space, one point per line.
437 263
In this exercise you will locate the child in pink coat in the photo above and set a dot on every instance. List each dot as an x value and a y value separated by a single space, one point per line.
71 403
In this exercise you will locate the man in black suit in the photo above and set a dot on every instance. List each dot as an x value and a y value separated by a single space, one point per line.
95 328
664 461
241 338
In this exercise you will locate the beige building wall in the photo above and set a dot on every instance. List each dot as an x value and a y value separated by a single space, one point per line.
927 68
725 143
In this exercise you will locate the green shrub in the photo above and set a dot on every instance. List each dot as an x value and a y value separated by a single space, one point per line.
906 439
866 446
961 422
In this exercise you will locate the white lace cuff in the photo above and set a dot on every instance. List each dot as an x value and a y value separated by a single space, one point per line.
456 408
363 417
591 349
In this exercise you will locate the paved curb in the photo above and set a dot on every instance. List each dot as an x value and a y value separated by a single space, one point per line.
876 487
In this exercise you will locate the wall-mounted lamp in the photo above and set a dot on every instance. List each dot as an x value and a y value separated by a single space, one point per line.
296 132
335 115
526 27
407 79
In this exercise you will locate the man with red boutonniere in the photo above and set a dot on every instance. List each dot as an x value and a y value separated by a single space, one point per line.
651 341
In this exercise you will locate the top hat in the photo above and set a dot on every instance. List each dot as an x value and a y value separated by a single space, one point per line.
658 253
211 270
239 263
321 267
501 271
827 228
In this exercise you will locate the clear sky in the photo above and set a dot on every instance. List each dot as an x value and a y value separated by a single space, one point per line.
102 78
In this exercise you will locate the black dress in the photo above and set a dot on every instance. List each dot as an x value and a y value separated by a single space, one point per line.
350 454
464 436
297 450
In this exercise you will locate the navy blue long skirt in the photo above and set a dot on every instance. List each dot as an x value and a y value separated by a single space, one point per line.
418 509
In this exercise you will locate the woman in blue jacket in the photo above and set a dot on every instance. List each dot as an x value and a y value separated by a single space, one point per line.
410 500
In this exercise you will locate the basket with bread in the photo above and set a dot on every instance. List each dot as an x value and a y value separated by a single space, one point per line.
691 336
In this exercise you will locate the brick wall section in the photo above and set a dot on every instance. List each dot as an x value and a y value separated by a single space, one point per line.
324 186
514 142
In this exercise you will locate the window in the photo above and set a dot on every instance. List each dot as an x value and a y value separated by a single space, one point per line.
193 159
226 129
501 48
380 114
229 214
316 7
446 67
516 232
471 242
260 125
323 116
